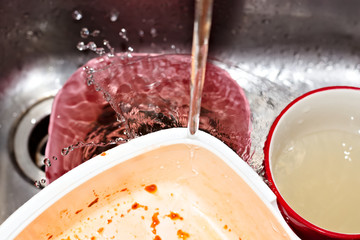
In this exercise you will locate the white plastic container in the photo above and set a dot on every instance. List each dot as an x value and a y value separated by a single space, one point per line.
165 185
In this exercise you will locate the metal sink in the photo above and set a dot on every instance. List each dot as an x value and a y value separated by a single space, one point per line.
276 50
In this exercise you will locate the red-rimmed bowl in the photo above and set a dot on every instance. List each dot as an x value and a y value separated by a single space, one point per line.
331 107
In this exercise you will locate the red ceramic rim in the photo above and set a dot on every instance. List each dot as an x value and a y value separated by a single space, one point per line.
269 176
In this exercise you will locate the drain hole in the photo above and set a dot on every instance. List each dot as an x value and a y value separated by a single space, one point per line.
37 142
28 142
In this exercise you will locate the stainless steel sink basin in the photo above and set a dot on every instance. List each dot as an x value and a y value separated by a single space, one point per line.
276 50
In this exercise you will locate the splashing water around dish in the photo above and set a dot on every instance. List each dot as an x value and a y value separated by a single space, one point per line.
148 93
135 94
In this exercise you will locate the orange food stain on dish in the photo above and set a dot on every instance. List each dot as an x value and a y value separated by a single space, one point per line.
123 190
151 188
93 238
50 237
157 237
109 221
183 235
137 205
155 222
174 216
103 154
78 211
100 230
93 202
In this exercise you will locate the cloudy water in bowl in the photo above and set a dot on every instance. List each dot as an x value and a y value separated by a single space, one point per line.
318 176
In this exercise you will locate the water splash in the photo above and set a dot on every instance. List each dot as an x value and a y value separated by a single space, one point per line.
81 46
65 151
77 15
123 34
143 94
141 33
47 162
40 183
114 16
109 47
153 32
85 33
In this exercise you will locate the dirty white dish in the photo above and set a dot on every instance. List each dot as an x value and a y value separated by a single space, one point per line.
165 185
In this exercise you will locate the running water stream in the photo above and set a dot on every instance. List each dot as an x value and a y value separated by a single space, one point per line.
200 45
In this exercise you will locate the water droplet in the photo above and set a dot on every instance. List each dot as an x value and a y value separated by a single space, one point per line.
107 97
112 50
114 16
37 184
43 181
141 33
172 46
95 33
65 151
33 121
40 184
99 51
153 32
84 33
47 162
130 49
81 46
122 34
77 15
92 46
54 158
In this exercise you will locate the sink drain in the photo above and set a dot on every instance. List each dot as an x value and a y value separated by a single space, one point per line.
29 140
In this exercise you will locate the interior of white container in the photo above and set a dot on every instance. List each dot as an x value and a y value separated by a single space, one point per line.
203 191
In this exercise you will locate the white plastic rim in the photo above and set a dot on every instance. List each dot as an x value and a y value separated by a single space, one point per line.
74 178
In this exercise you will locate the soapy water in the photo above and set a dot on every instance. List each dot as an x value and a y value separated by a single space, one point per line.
115 99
